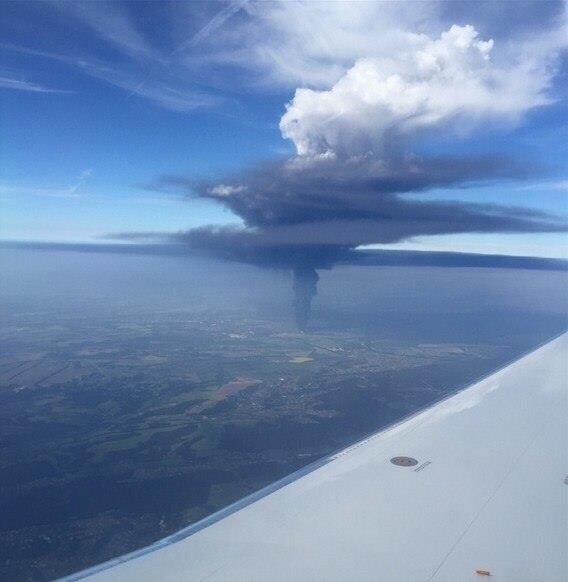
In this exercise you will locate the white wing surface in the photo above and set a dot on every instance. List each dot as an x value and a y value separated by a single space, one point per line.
486 497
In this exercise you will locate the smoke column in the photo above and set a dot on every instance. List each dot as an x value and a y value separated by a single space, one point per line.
353 136
305 287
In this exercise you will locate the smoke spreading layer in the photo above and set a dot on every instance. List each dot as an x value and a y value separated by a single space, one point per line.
347 185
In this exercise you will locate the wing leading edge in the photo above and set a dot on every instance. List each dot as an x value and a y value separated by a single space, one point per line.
478 487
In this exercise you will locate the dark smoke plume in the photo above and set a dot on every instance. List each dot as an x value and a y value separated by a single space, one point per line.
307 214
305 288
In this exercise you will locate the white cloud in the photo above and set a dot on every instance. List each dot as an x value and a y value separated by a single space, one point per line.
212 25
337 53
23 85
203 52
313 43
225 190
553 186
71 192
169 92
430 83
110 23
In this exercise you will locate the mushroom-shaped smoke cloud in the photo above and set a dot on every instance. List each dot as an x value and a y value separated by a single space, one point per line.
355 161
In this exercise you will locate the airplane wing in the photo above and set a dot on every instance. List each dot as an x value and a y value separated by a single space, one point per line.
475 486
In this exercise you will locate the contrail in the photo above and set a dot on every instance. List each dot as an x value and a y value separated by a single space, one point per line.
215 23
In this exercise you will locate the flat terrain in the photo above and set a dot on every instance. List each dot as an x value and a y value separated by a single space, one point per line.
130 411
119 430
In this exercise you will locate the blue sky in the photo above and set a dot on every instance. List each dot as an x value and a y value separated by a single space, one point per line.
100 99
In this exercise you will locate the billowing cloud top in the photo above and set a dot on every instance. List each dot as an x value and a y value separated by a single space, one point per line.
372 92
429 84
